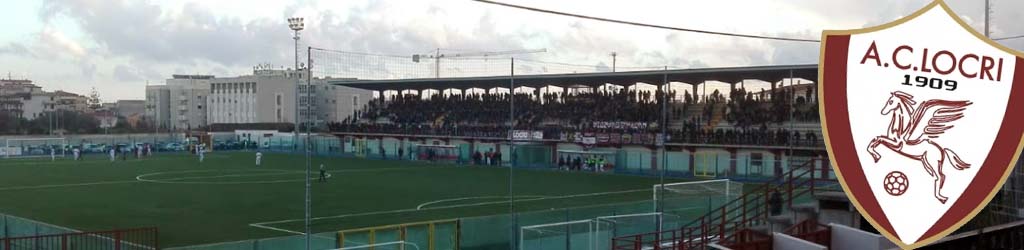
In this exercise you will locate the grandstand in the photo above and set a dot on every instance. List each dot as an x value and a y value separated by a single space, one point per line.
568 162
606 102
769 135
653 123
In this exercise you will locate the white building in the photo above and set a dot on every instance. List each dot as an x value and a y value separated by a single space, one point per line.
336 103
24 99
158 106
180 104
268 96
127 108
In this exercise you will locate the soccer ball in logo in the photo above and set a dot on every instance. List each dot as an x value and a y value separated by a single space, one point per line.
896 183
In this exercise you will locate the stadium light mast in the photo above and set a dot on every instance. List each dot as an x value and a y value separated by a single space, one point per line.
660 209
296 25
511 148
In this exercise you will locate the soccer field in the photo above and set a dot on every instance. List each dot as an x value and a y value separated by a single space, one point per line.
228 198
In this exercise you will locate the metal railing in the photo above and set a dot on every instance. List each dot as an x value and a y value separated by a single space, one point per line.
124 239
728 222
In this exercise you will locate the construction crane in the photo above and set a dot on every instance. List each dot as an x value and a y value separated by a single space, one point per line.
437 56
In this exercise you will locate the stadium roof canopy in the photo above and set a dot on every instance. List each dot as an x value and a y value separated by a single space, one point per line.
691 76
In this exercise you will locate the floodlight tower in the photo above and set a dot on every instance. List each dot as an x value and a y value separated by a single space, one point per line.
296 25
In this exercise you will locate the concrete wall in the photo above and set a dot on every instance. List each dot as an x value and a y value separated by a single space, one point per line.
344 101
158 106
848 238
268 90
128 108
783 241
710 162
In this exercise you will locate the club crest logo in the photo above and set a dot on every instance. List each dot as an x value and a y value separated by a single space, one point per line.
918 123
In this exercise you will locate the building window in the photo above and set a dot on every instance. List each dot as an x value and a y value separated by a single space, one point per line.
279 100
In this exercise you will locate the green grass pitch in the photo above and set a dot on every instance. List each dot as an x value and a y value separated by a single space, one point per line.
220 199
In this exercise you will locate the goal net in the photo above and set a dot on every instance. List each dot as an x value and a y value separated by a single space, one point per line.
35 147
571 235
689 200
607 227
437 153
393 245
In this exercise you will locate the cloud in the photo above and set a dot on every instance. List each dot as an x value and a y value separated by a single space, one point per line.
126 74
141 30
16 49
49 44
126 41
55 44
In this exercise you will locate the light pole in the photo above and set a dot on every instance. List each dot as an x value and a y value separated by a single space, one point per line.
296 25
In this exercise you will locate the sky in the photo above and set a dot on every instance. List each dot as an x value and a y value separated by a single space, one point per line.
118 46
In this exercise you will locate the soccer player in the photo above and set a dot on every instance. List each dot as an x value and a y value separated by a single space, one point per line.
323 173
53 153
259 156
112 158
77 153
200 150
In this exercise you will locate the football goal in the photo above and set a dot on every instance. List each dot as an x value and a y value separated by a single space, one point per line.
607 227
34 147
571 235
688 200
437 153
394 245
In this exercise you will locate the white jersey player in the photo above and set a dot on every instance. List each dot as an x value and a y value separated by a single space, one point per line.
112 158
259 156
77 153
201 151
53 154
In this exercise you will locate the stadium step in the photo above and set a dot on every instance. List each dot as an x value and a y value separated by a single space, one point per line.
831 196
782 221
734 227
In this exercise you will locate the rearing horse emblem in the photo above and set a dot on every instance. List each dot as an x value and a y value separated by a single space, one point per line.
912 129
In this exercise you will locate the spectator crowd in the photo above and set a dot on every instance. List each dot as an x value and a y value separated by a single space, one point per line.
743 117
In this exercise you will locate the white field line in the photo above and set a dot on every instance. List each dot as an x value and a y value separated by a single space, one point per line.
450 206
473 198
277 229
65 185
172 179
63 162
106 183
288 231
139 178
375 245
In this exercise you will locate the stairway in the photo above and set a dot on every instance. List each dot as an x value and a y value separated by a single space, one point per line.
717 115
748 222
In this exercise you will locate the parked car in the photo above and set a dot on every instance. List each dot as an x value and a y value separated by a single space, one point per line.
36 150
93 148
174 146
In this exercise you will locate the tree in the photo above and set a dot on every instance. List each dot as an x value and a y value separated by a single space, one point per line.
10 123
94 99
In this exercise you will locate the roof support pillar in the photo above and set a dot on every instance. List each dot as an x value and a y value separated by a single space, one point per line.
693 94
